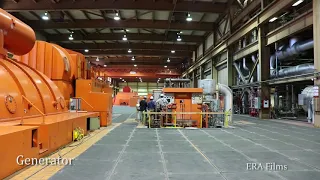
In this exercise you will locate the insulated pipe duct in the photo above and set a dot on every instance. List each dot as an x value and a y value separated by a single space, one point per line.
244 64
19 38
228 98
239 72
295 70
295 49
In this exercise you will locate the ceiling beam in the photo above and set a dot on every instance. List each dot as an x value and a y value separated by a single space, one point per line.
181 6
101 23
138 58
138 53
145 46
118 36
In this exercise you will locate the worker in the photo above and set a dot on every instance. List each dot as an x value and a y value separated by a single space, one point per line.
151 104
151 108
143 106
161 103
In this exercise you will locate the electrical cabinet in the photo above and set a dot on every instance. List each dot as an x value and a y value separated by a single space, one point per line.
257 103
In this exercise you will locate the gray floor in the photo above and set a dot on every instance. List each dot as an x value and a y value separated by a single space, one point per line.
140 154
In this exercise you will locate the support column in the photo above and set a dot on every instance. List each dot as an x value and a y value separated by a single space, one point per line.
230 67
316 39
194 79
264 67
201 72
214 72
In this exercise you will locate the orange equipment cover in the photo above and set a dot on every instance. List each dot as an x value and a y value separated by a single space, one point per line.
100 101
79 63
19 38
52 60
23 81
124 97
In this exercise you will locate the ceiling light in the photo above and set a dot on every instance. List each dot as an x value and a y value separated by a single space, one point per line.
273 19
117 17
124 37
297 2
133 58
45 16
120 78
181 32
168 60
189 18
179 38
70 37
165 66
135 65
104 65
173 51
129 51
86 50
97 59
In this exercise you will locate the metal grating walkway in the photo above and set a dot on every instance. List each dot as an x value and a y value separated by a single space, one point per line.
130 153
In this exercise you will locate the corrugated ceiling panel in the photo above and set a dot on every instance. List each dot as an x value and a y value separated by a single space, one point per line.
28 15
77 14
209 17
161 15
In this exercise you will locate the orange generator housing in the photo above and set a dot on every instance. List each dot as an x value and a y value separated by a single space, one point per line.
34 117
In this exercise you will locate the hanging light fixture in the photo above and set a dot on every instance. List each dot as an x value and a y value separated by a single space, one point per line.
45 16
124 37
297 3
71 36
97 59
173 51
179 38
189 18
86 50
105 65
165 66
168 60
129 51
133 58
117 17
273 19
135 65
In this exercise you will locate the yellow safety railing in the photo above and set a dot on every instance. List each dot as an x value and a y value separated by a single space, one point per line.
175 113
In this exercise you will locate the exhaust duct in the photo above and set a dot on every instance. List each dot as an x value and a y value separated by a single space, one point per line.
295 49
295 70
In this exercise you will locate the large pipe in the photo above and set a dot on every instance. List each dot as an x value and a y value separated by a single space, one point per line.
295 49
19 38
295 70
239 72
228 98
244 64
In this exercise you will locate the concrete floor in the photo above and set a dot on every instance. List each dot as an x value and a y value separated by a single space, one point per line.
128 152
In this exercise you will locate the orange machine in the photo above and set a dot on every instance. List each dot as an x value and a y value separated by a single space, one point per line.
56 63
97 99
34 118
186 100
123 98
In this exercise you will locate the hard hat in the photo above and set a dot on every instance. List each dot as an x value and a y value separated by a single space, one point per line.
161 95
151 97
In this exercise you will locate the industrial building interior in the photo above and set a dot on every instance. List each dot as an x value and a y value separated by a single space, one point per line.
160 89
